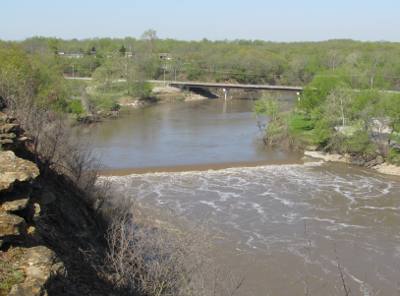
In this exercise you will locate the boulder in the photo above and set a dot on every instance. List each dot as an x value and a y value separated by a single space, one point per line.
327 156
3 117
24 139
36 212
15 205
11 225
377 161
8 136
38 264
8 128
6 141
14 169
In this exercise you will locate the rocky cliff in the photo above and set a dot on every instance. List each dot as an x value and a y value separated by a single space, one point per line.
51 241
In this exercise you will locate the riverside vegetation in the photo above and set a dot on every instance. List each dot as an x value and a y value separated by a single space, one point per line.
334 116
121 67
74 232
63 233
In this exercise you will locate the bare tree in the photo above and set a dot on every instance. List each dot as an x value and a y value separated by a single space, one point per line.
339 103
158 258
150 36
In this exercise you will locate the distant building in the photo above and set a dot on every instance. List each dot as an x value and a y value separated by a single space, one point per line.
71 55
165 56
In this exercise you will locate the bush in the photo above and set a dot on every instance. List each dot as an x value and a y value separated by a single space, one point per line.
359 143
159 258
75 107
141 90
105 103
115 106
299 123
308 131
267 106
394 156
276 132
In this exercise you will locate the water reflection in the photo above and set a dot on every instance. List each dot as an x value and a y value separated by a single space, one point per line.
214 131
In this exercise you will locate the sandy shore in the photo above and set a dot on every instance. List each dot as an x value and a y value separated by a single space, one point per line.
388 169
384 168
327 156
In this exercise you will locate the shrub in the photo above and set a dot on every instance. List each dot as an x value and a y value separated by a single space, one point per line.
299 123
141 89
308 131
75 107
104 102
394 156
115 106
159 258
276 132
359 143
267 106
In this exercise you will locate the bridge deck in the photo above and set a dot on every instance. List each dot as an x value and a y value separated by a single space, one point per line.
211 84
237 86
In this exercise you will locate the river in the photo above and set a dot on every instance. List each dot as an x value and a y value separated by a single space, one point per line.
289 228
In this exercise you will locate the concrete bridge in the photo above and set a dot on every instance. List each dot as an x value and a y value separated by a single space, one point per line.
226 86
191 84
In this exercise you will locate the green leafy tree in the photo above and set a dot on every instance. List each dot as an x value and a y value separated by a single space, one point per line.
267 106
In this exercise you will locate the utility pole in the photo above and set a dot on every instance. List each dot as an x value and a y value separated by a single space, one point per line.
164 67
175 72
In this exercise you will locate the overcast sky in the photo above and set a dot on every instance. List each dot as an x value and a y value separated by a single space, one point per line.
276 20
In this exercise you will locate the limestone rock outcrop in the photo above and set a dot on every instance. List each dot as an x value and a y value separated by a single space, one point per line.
51 239
17 213
14 169
11 225
11 134
19 204
38 265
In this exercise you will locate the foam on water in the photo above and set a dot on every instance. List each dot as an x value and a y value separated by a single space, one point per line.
303 210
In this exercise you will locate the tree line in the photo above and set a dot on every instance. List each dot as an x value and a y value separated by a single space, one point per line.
366 64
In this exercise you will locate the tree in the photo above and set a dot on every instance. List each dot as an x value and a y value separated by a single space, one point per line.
150 37
112 69
18 85
267 106
338 105
122 50
318 90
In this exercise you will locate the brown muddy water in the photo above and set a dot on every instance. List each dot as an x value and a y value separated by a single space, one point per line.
283 225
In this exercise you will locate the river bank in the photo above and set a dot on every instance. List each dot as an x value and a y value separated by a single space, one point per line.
119 104
377 164
48 226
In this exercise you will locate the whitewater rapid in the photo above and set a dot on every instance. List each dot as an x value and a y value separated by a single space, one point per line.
288 226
